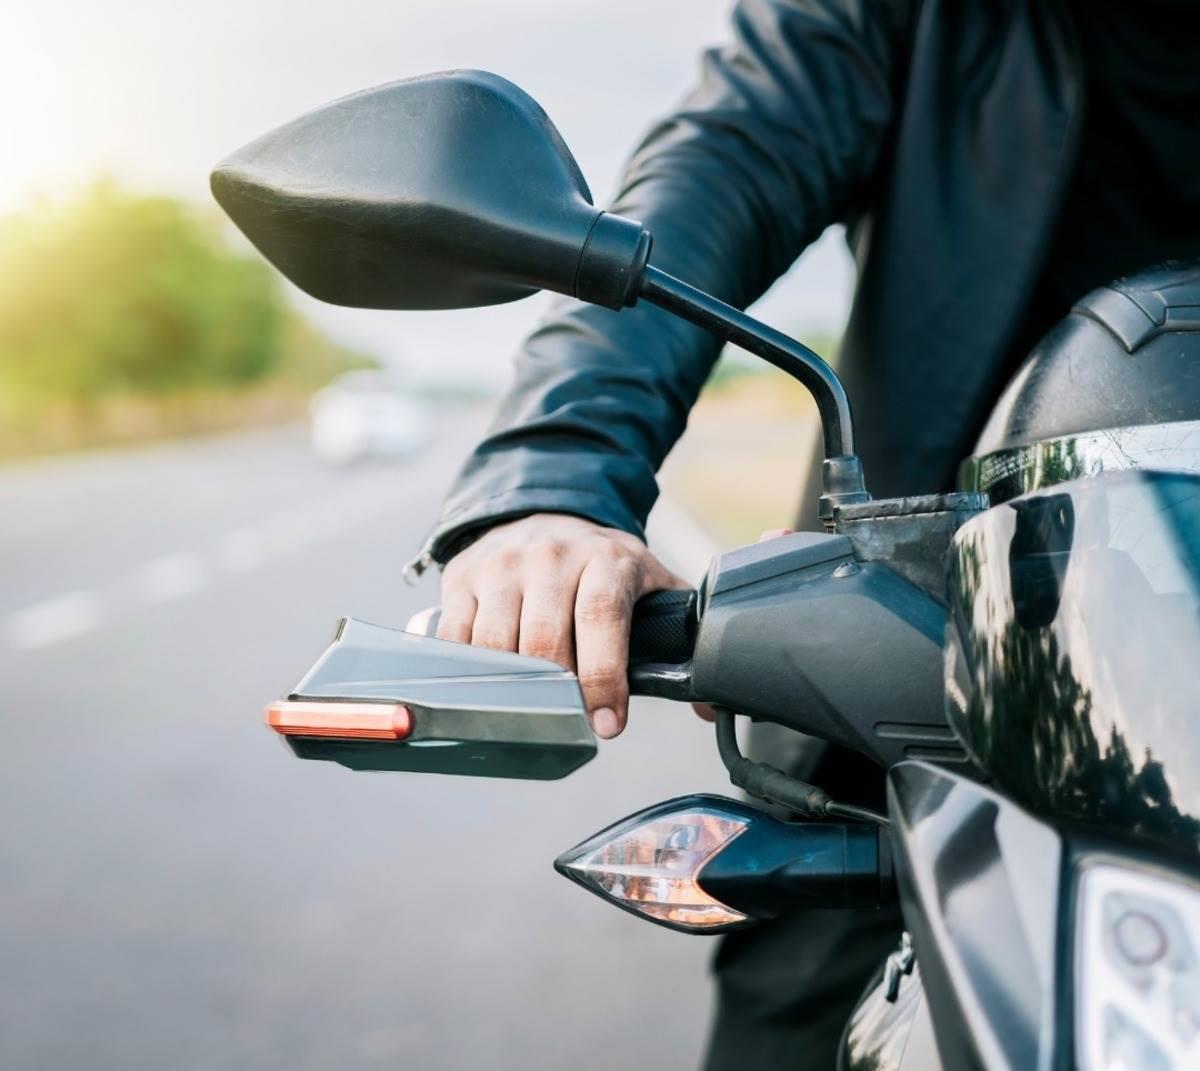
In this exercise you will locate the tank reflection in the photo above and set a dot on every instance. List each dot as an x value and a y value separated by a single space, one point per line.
1071 662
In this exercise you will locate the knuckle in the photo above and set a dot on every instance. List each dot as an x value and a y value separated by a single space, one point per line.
627 571
454 624
455 575
508 559
607 677
549 549
456 632
494 639
622 565
541 638
600 606
609 550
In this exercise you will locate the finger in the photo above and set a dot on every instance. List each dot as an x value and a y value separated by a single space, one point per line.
458 615
547 628
603 605
424 622
705 711
497 618
775 533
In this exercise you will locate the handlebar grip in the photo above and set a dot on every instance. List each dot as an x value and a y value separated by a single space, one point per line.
663 627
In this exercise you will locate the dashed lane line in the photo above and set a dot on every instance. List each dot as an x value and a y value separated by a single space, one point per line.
181 573
170 577
54 620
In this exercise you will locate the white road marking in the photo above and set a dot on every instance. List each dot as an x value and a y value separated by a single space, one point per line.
674 534
170 577
295 530
184 572
48 622
242 550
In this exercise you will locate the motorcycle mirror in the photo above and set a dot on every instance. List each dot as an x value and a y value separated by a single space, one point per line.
454 190
708 864
383 699
450 190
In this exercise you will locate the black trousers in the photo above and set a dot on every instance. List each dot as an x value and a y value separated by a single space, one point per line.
786 988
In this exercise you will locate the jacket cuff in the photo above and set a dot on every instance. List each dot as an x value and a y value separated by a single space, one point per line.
458 528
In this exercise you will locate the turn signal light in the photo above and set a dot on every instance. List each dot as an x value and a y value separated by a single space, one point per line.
343 721
705 864
648 864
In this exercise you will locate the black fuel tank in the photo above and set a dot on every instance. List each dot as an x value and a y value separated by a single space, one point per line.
1071 660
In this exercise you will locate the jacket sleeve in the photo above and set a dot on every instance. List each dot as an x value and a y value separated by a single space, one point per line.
778 140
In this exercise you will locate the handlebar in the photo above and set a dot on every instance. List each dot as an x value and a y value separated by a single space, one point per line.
662 634
663 628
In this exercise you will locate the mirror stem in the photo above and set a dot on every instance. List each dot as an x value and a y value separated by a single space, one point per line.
841 474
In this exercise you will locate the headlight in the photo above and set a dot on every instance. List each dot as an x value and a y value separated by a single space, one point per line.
1137 971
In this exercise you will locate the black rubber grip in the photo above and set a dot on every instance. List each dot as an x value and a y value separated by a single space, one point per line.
663 627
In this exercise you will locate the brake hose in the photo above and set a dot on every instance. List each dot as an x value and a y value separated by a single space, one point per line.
768 783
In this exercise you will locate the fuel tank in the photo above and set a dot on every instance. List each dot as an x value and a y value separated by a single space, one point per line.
1072 646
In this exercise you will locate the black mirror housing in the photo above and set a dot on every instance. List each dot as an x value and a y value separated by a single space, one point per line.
450 190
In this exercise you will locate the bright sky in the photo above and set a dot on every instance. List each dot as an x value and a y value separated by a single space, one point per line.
155 91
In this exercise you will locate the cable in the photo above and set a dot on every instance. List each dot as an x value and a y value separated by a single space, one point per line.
767 783
858 814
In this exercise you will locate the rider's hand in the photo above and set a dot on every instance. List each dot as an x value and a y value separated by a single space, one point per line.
557 587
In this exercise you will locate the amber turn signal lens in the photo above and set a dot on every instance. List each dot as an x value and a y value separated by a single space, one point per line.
347 721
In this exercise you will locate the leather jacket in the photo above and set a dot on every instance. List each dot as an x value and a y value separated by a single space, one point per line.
941 132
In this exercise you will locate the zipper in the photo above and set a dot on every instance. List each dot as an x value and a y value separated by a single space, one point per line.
417 567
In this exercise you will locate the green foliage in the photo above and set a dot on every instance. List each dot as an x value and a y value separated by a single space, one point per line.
119 294
125 318
310 358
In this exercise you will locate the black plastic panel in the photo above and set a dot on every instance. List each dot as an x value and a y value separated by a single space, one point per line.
798 632
979 886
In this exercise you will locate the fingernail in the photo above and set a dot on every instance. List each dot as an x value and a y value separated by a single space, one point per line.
604 721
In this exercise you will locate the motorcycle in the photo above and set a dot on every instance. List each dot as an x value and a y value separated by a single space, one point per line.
1015 655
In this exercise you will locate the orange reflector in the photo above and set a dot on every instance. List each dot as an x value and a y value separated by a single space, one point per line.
351 721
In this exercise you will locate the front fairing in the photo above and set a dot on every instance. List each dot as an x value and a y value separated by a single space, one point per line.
891 1030
980 887
991 896
1074 649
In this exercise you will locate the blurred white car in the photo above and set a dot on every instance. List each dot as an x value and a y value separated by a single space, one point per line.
367 414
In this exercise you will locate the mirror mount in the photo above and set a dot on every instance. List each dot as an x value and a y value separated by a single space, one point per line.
841 474
613 262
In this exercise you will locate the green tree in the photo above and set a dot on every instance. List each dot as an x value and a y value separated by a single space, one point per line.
119 293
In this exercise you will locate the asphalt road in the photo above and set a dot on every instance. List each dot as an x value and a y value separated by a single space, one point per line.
180 892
